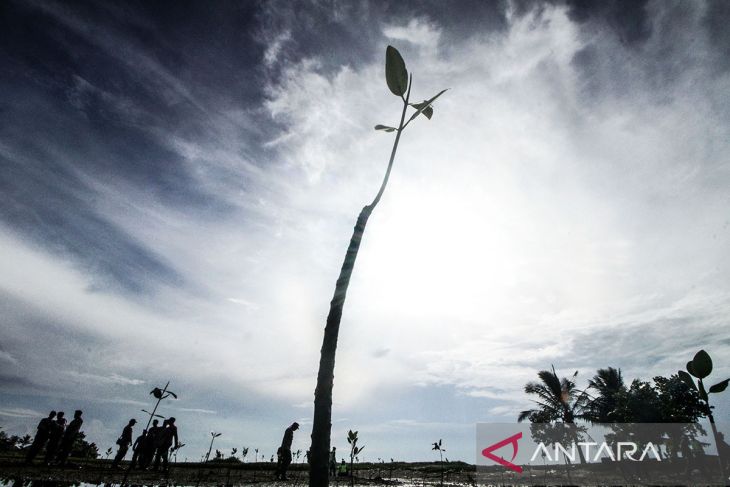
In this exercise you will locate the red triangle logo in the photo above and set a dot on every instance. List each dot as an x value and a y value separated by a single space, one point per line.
487 452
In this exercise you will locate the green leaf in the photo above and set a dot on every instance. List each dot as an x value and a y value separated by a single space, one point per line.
424 108
396 74
720 386
385 127
690 368
687 379
703 392
702 364
424 105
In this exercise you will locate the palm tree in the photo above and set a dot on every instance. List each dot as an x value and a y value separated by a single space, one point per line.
559 400
609 384
400 85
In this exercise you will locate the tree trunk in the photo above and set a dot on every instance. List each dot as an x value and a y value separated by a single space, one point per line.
322 424
319 453
720 454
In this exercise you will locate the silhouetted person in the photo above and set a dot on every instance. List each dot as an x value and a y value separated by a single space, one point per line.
167 436
333 462
284 452
150 445
138 449
54 437
124 441
69 436
41 436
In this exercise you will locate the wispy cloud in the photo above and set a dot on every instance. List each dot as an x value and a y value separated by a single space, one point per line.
5 356
197 410
20 413
106 379
178 210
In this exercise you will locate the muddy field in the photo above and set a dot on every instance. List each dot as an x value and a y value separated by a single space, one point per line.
16 474
13 473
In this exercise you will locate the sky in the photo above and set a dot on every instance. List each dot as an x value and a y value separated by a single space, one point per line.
179 182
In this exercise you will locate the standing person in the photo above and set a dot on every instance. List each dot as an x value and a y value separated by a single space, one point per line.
54 437
69 437
124 441
150 445
167 435
333 462
138 449
284 451
41 437
342 471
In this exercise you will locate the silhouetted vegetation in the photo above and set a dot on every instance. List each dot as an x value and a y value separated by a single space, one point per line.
400 85
666 400
354 452
700 367
439 448
607 399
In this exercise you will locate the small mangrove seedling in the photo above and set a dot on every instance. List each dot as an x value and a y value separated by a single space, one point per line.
159 394
399 83
175 450
439 448
700 367
354 452
213 436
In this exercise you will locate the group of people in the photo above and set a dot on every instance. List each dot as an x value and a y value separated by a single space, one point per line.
56 436
151 448
153 445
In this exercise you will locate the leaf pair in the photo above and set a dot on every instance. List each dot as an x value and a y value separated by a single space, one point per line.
700 367
425 107
157 392
396 76
352 437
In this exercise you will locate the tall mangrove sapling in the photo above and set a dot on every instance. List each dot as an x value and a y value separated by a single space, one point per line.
399 83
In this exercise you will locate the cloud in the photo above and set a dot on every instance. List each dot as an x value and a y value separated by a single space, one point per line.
5 356
197 410
20 413
178 210
110 379
421 33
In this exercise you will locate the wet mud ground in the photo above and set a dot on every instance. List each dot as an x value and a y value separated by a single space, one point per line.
16 474
13 473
